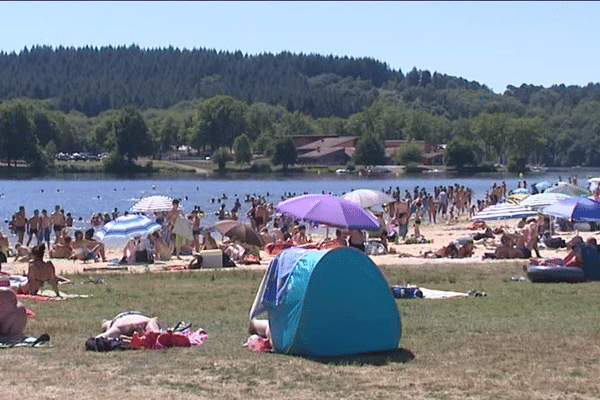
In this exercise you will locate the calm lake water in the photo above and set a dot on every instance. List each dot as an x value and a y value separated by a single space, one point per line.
82 198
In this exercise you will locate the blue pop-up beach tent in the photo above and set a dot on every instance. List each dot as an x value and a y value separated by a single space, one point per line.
328 303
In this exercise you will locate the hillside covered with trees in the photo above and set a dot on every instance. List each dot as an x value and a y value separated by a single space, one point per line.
88 99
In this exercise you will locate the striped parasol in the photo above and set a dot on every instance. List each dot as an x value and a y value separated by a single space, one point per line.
541 200
127 226
504 211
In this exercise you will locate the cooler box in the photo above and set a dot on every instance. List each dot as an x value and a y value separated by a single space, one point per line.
212 258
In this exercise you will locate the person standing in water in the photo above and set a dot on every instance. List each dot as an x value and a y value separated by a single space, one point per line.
20 224
58 221
34 224
45 228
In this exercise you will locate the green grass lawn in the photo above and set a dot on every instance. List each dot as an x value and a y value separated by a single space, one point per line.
522 341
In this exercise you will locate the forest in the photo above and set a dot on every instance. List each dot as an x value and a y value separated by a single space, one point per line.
132 102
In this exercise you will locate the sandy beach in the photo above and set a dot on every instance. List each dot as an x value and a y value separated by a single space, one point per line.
440 234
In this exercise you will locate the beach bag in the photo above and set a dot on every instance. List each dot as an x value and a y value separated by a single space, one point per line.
227 262
105 344
406 292
197 264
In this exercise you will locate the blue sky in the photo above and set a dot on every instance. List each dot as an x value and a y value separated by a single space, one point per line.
494 43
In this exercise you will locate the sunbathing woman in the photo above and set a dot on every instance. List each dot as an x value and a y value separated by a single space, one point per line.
125 324
40 271
450 251
162 251
512 247
94 245
81 250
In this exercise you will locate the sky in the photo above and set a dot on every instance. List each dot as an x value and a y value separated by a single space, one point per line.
494 43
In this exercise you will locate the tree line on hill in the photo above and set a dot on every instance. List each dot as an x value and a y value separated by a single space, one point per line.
134 102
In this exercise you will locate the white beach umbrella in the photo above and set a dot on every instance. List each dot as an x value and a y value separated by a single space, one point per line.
368 198
127 226
153 204
504 211
542 200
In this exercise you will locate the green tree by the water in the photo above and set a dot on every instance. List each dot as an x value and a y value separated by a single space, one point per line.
242 149
369 151
284 153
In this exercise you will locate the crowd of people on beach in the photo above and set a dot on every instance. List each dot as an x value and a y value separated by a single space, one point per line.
182 234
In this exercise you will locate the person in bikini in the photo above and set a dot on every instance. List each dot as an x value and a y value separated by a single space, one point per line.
125 324
81 250
40 271
196 228
94 245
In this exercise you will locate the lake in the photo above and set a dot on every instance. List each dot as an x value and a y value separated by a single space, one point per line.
82 198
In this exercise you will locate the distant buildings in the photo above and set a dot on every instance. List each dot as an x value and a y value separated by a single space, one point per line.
338 150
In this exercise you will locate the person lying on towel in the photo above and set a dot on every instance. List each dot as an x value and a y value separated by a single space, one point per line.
125 324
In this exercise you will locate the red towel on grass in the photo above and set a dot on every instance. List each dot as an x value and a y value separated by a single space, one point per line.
157 340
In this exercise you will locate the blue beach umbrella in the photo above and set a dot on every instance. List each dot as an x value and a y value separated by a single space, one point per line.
575 208
127 226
